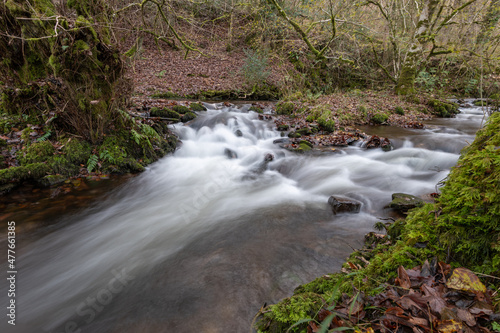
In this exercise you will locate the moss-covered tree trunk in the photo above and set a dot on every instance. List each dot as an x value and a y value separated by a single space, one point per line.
415 54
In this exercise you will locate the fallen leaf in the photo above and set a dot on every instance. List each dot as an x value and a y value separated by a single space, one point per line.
449 326
403 280
464 279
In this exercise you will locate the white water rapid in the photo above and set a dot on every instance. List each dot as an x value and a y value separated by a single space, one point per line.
200 241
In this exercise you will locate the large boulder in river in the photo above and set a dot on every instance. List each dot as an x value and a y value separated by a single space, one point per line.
404 202
344 205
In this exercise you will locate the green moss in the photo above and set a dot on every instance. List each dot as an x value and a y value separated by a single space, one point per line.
197 107
37 152
77 151
283 127
285 108
256 109
289 311
30 171
443 109
304 131
166 94
180 109
188 117
379 118
164 113
310 118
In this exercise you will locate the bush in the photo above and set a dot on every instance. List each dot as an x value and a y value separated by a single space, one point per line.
399 110
254 70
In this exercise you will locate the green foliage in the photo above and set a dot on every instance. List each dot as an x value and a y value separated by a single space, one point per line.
254 69
45 136
160 74
379 118
310 118
92 163
285 108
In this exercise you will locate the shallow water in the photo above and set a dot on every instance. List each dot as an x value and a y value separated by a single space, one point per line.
199 242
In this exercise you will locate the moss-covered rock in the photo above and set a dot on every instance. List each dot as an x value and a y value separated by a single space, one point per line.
180 109
197 107
188 117
443 109
164 113
30 171
255 108
404 202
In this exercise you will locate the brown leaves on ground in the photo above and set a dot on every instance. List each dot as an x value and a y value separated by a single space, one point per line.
427 298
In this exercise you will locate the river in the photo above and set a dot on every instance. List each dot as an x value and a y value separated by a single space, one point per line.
199 242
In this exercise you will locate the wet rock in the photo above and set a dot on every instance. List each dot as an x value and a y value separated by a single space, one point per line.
6 188
230 153
51 180
283 140
294 135
344 205
263 165
404 202
238 133
283 127
377 142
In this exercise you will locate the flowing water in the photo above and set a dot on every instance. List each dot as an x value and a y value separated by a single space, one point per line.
199 242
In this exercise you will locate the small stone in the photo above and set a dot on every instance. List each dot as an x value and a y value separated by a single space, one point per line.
404 202
344 205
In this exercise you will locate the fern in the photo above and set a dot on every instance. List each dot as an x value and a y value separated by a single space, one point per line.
106 156
136 136
45 136
149 131
92 163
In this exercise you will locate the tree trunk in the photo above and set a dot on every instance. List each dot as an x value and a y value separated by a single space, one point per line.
409 71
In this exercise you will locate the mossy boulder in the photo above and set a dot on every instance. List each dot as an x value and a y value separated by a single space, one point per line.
305 131
180 109
294 135
77 151
164 113
443 109
285 108
197 107
188 117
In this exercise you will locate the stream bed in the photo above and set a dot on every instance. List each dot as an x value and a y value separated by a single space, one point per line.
199 242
